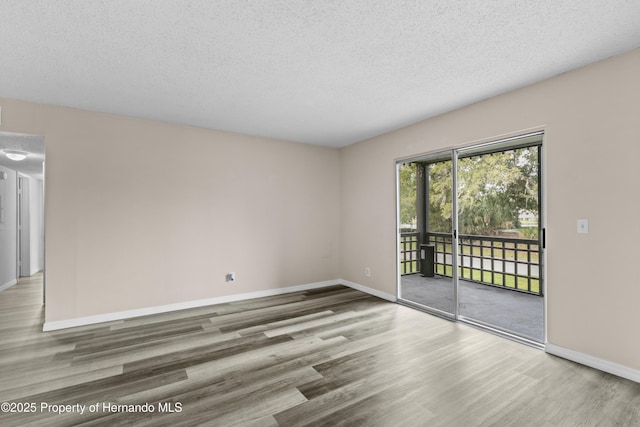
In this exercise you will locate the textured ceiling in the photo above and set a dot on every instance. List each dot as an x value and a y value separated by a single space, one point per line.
320 72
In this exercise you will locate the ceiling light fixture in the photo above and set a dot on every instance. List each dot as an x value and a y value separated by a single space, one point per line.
15 155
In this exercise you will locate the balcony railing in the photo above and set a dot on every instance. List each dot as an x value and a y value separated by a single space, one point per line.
409 261
497 261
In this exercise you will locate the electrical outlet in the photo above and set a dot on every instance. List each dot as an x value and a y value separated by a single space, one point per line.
367 271
583 226
231 277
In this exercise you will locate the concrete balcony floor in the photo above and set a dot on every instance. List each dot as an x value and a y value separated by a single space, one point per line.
515 312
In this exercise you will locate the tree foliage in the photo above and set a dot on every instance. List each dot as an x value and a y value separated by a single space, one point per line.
493 190
408 193
440 197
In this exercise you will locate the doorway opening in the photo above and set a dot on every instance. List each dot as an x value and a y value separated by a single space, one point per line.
471 236
21 207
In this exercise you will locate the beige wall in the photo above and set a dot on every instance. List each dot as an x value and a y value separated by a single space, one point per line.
591 119
143 214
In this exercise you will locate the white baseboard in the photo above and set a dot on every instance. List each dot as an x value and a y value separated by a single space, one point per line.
594 362
121 315
8 284
370 291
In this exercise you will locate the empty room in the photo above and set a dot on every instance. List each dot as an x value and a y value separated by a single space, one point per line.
290 213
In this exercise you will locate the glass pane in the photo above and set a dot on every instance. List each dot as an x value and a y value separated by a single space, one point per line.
426 251
498 211
440 197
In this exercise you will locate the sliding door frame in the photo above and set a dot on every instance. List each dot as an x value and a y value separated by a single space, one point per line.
491 146
454 233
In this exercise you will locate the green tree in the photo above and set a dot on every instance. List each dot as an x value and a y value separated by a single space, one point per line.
492 191
407 193
440 197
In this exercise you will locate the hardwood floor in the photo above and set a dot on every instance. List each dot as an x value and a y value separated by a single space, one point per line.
333 356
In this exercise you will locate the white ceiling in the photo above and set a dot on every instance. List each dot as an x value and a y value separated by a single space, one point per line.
320 72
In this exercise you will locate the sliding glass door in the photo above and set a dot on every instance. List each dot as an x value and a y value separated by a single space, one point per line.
427 250
471 238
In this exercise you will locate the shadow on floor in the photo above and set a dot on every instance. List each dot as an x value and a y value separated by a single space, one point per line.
515 312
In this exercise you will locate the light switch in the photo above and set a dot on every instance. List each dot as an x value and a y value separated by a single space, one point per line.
583 226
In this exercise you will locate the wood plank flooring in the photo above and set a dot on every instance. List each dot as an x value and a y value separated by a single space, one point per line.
333 356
